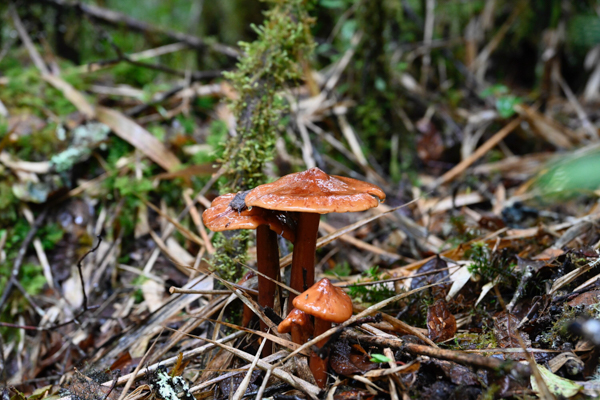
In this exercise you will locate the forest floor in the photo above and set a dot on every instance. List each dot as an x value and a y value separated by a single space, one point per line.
475 279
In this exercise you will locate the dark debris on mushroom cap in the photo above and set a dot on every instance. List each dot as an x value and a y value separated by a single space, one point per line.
315 191
222 217
325 301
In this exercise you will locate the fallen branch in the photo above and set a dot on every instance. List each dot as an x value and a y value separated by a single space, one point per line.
489 363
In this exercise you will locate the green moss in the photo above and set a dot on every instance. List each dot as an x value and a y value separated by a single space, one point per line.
371 294
475 341
231 254
32 278
118 148
215 141
461 232
131 190
491 392
27 91
50 235
138 76
479 253
558 333
270 63
8 202
339 270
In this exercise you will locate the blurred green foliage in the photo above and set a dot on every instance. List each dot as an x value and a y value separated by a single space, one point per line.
570 176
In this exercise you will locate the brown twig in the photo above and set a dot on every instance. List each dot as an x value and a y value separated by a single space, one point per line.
400 278
123 57
477 154
116 375
116 18
489 363
85 300
174 289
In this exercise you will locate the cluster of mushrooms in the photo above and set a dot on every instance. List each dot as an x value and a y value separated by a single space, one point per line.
291 207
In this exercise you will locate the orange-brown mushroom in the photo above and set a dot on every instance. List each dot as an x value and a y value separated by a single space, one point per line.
311 193
228 212
327 303
299 324
222 217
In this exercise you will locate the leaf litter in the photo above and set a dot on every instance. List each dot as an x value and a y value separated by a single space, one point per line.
479 282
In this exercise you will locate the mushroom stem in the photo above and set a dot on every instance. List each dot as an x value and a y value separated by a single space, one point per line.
303 258
299 324
318 365
300 335
247 313
267 260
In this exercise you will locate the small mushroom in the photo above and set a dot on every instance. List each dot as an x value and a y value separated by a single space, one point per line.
327 303
228 212
309 194
299 324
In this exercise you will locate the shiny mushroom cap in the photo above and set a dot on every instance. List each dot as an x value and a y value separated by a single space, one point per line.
316 192
295 317
325 301
222 217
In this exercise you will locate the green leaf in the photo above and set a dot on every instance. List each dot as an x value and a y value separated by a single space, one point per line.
494 90
558 386
18 395
332 3
506 105
348 29
379 358
40 393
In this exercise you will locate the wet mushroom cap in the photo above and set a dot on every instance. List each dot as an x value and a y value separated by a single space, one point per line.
295 317
326 302
222 217
316 192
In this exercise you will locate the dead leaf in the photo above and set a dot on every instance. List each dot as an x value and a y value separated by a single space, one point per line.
585 299
348 361
441 324
506 333
229 386
434 264
153 294
72 94
430 145
193 170
138 137
458 374
12 162
573 364
354 394
549 254
524 264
